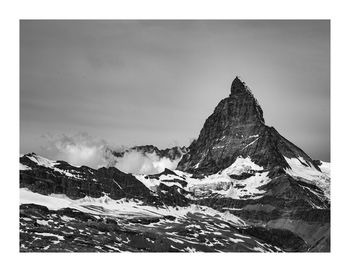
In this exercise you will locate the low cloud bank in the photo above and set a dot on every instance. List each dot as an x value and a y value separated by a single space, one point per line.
82 149
149 163
79 149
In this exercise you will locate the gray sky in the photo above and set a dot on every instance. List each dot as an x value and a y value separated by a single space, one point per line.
155 82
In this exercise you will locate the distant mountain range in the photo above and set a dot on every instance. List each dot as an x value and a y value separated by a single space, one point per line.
240 186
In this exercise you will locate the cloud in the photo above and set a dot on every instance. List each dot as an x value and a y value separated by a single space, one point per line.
79 149
149 163
83 149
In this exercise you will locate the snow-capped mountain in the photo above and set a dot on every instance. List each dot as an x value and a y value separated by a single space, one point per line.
240 186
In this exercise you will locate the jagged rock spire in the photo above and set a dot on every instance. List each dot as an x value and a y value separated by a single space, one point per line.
237 85
244 104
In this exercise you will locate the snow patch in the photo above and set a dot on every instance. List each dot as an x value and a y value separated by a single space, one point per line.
250 143
176 240
42 222
236 240
242 165
59 237
221 183
41 161
309 173
23 167
219 146
325 168
153 183
251 188
120 208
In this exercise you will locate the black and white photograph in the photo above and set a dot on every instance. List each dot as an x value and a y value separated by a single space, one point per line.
174 136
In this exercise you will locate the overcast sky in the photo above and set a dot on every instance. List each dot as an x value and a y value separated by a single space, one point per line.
155 82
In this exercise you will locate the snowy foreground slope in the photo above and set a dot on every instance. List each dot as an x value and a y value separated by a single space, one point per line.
240 186
223 212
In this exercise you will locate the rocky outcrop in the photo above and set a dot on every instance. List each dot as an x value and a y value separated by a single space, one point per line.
77 182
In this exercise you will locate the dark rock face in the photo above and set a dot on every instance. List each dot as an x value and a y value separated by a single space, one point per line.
168 172
84 181
237 128
172 196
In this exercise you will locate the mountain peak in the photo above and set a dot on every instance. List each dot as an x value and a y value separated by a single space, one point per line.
238 85
237 128
244 106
